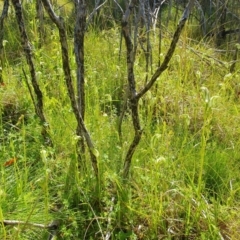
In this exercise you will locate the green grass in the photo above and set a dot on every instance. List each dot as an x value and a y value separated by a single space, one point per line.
184 179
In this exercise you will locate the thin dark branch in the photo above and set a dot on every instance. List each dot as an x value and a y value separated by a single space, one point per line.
29 89
119 6
40 17
52 225
28 53
79 34
97 7
170 51
68 79
133 96
235 58
133 101
3 16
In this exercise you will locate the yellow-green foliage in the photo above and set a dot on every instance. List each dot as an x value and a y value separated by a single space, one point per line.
184 176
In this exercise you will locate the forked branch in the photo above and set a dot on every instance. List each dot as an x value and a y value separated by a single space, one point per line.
68 79
133 101
170 51
133 95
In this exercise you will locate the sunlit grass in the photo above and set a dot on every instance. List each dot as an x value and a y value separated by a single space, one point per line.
184 176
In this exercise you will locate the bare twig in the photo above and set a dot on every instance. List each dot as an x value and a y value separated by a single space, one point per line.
29 88
155 13
40 17
119 6
97 7
3 16
235 57
68 79
17 222
52 227
28 53
120 119
133 95
79 33
203 20
170 51
207 58
133 101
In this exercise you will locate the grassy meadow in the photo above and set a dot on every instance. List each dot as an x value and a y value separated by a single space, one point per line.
184 181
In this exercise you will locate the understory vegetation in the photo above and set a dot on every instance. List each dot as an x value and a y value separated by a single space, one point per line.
184 180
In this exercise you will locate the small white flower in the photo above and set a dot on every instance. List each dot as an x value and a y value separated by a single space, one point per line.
160 159
44 155
227 77
198 74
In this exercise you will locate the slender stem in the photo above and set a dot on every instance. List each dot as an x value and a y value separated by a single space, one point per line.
69 82
28 53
